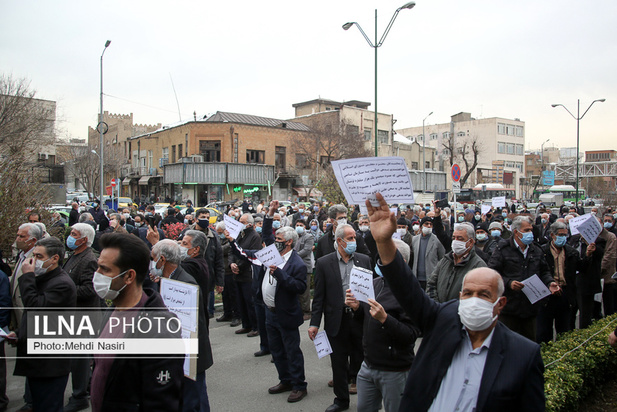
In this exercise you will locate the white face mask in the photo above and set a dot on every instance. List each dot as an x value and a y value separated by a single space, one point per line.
415 228
363 228
154 271
102 286
476 314
184 252
426 230
401 232
38 267
459 247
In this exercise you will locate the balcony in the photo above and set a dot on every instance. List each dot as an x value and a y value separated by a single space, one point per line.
218 173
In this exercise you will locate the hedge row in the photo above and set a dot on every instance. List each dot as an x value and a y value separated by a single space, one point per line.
569 380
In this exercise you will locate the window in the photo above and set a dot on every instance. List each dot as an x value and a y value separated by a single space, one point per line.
519 131
433 136
520 149
256 156
180 152
510 130
420 138
501 147
279 157
461 134
519 166
510 164
353 130
446 135
302 161
368 133
414 165
149 159
173 154
501 128
445 152
510 148
383 136
235 147
428 165
210 150
165 153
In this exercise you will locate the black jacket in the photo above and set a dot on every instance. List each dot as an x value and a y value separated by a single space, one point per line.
73 217
199 270
388 346
572 267
508 260
81 267
325 245
588 279
52 289
249 239
136 384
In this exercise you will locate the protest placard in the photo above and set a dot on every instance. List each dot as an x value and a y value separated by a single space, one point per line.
361 284
499 201
486 209
269 256
322 344
534 289
232 226
590 228
361 178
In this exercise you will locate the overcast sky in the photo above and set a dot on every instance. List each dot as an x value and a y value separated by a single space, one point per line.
492 58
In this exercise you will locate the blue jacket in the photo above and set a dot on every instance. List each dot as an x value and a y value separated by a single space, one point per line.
291 282
512 379
5 301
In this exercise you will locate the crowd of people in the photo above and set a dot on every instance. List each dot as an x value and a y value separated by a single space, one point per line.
452 277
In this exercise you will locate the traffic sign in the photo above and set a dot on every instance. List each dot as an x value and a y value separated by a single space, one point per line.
456 173
113 182
456 187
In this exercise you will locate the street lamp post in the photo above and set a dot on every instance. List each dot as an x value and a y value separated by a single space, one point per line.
424 151
102 128
376 45
578 118
542 159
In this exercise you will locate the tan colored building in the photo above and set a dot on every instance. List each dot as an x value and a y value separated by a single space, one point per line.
502 147
226 156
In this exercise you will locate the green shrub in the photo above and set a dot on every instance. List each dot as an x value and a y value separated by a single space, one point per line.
569 377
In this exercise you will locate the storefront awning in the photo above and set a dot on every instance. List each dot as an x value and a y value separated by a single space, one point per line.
126 181
302 192
143 181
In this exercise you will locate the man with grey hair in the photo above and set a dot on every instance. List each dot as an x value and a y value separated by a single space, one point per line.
446 280
278 290
332 273
166 256
80 267
468 359
27 236
325 245
518 259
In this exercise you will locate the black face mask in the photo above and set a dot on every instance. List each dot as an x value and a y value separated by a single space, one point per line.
280 246
203 223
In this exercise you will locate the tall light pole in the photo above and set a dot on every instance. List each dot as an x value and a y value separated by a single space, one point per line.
102 127
542 158
578 118
424 151
376 45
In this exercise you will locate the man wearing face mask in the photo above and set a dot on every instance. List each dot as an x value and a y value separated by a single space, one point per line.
81 266
192 249
304 248
325 245
278 290
166 256
517 259
43 284
609 223
331 283
402 226
132 383
141 230
467 360
541 231
231 313
427 251
98 214
565 265
446 280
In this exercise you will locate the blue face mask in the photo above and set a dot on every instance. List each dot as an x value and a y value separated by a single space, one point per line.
70 242
276 224
560 241
608 225
378 271
495 233
258 229
527 238
222 235
504 214
300 230
350 248
313 228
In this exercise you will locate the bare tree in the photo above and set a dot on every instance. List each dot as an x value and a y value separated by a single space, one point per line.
82 163
331 138
26 125
467 150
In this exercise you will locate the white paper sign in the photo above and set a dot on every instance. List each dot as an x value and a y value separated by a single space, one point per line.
186 334
361 178
575 222
181 300
269 256
499 201
486 209
396 235
589 228
534 289
361 284
232 226
394 210
322 344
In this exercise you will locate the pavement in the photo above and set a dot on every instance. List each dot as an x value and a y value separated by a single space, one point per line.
238 381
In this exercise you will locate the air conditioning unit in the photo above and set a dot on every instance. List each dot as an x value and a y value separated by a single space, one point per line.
43 156
197 158
163 161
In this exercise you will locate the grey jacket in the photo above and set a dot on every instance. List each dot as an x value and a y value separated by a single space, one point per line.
304 248
445 282
434 252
